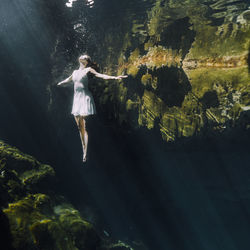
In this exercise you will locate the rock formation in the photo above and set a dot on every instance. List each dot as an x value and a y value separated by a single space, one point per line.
34 216
188 63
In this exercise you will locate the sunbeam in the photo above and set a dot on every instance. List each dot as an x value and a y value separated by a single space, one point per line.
89 3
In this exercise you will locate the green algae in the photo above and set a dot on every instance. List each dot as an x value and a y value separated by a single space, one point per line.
25 171
147 79
188 66
40 220
150 110
214 42
219 79
133 67
130 105
41 235
34 222
13 153
218 101
119 245
33 177
30 216
21 214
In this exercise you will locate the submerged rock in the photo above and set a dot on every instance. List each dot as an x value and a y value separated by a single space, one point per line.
34 216
188 63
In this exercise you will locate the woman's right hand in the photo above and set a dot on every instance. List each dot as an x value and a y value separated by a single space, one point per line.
60 83
65 81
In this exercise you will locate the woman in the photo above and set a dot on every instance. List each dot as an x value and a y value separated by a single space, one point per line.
83 103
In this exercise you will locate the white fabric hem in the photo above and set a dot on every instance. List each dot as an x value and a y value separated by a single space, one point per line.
77 114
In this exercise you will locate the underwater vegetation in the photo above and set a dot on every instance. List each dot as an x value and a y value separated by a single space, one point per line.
36 216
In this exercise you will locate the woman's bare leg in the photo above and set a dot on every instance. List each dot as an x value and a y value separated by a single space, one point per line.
81 123
85 136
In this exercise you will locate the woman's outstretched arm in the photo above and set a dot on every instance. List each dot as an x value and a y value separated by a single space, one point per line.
106 77
65 81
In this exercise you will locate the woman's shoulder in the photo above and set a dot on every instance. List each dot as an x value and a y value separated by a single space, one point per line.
89 69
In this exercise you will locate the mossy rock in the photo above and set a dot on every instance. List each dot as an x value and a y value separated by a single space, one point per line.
21 172
36 222
117 246
207 44
39 220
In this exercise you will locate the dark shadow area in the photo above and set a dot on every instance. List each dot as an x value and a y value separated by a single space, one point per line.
5 236
210 99
244 120
172 85
134 84
143 188
178 35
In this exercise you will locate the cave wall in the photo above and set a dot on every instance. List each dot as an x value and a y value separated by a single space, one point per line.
188 66
187 61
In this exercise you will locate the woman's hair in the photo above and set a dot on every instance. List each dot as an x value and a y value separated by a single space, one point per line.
91 64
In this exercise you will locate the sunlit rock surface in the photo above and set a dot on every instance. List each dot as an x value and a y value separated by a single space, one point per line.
188 63
34 215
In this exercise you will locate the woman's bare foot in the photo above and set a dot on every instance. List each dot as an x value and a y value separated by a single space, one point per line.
84 158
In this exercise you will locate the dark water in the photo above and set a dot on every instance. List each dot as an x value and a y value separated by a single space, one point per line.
190 195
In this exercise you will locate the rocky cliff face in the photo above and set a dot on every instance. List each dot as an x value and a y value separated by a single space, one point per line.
33 215
188 63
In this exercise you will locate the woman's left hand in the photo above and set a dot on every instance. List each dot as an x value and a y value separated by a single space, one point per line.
122 76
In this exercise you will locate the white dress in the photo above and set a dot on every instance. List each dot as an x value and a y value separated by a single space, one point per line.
83 101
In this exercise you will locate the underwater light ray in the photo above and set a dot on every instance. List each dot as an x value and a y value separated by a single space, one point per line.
176 182
108 202
143 202
22 50
118 212
230 175
145 208
234 182
170 189
39 36
208 210
70 3
16 32
150 194
117 198
8 133
18 83
8 79
89 3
